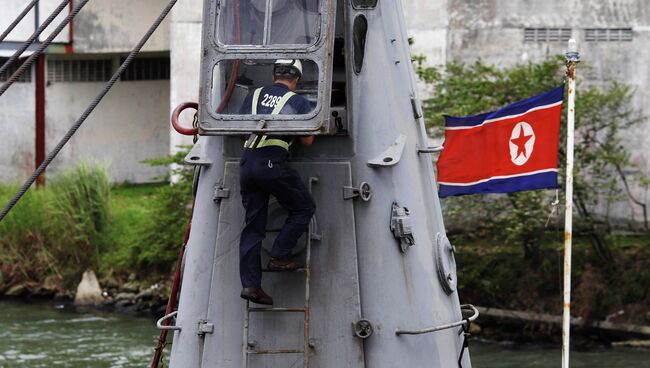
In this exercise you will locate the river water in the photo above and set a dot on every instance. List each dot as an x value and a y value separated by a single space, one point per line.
45 335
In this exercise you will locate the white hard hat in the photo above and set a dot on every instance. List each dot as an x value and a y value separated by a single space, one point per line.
292 63
260 5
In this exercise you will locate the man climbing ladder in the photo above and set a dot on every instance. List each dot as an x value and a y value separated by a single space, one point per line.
264 171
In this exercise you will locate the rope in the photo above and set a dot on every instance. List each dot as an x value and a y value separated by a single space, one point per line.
86 113
34 36
14 77
465 332
17 20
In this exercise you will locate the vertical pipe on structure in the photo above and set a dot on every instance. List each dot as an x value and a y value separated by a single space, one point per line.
69 46
572 58
40 116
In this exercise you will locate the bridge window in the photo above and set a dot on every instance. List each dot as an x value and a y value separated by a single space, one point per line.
364 4
268 22
253 74
360 31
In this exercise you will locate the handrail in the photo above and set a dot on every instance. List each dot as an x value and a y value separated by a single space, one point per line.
465 321
177 112
430 149
160 325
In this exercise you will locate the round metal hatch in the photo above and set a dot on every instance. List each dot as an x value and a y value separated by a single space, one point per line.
443 253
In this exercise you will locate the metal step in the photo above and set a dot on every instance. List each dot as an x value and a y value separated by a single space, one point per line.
277 309
275 351
277 271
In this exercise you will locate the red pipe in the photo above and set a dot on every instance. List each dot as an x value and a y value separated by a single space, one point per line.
69 49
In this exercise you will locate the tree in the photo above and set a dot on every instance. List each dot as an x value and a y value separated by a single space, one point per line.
602 115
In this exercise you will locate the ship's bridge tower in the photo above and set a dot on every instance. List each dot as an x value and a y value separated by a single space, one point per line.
378 263
242 39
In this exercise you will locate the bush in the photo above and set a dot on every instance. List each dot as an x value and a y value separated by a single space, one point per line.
155 248
57 229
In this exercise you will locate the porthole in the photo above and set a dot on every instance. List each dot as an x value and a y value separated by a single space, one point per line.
360 31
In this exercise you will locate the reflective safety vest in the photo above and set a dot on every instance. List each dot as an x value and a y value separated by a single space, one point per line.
258 141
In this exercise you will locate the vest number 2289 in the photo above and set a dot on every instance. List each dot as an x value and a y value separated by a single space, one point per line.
270 100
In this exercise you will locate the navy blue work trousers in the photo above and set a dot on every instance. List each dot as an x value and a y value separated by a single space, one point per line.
265 172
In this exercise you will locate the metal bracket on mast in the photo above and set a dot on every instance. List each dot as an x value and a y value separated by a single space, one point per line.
390 156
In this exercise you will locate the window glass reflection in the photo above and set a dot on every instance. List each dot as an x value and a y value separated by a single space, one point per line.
268 22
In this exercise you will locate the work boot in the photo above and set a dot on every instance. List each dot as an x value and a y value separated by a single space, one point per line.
256 295
276 264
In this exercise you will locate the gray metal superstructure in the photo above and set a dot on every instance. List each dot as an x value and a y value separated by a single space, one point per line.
380 266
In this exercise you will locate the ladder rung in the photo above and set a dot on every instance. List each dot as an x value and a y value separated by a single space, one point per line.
296 270
277 309
276 351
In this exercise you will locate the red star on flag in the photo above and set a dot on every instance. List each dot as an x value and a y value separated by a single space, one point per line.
521 141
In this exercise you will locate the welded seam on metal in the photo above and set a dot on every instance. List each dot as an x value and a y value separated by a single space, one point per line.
34 36
14 77
88 111
18 19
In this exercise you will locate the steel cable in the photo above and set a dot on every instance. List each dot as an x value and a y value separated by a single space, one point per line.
88 111
18 19
34 36
27 63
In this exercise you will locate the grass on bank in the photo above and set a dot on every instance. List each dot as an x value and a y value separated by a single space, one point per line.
79 221
56 230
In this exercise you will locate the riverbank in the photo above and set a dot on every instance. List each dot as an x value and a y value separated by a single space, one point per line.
134 260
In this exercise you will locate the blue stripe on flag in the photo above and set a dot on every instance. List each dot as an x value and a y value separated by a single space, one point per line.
546 180
546 98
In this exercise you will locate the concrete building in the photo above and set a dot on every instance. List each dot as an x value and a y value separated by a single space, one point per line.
132 124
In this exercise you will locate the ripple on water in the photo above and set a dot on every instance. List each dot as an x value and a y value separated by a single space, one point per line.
44 336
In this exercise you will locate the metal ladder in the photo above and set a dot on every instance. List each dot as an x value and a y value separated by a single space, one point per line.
248 347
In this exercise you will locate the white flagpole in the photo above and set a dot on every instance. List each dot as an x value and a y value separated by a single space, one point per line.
572 59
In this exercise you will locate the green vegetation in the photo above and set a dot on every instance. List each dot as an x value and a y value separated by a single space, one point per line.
57 230
512 257
78 222
147 238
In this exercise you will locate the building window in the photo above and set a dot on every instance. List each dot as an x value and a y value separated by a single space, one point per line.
547 34
26 77
608 34
91 70
150 68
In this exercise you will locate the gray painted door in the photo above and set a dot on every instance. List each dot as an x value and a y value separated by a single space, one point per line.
334 286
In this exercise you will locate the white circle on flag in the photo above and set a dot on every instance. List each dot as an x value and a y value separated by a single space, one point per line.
522 142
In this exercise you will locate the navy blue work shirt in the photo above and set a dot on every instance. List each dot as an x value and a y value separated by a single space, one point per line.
269 97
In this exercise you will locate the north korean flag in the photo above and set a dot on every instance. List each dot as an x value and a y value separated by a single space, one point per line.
509 150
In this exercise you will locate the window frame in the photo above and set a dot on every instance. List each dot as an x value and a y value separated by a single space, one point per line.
316 122
214 33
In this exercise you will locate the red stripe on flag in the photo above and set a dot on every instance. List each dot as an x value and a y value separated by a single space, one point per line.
483 152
